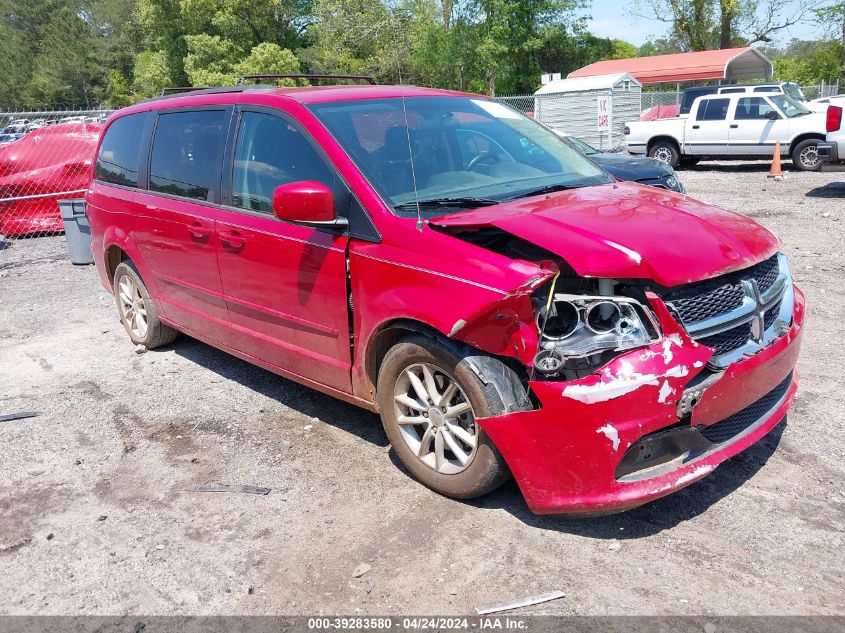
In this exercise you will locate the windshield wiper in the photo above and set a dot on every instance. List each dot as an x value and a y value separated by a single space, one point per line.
437 203
541 190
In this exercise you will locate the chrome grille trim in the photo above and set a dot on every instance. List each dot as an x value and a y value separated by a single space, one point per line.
765 312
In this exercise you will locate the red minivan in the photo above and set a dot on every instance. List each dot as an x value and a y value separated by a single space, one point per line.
505 305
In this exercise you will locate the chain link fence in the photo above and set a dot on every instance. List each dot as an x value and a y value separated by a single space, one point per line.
656 104
45 156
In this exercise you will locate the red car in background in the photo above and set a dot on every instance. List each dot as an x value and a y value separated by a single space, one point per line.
36 169
505 305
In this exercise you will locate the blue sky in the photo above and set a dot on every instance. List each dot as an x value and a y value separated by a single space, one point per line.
612 18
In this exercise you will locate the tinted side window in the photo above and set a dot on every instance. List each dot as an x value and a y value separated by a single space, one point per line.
768 89
185 153
712 110
752 108
691 94
271 152
117 161
730 91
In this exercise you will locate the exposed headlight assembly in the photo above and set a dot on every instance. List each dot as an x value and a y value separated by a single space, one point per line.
574 326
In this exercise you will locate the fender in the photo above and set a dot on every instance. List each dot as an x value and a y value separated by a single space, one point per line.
115 236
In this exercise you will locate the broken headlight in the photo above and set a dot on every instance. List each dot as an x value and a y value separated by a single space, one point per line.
574 326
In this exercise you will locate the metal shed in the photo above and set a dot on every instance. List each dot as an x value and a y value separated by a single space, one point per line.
592 108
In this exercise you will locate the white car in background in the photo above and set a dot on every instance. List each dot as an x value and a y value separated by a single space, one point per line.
737 126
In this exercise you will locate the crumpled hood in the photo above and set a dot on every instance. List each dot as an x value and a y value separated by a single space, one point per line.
625 230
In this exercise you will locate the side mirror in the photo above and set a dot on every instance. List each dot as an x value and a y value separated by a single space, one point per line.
306 202
772 115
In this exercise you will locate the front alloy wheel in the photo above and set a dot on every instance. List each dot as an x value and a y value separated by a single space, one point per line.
435 418
430 394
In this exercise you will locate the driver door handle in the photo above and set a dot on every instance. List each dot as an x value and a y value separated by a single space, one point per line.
734 125
233 239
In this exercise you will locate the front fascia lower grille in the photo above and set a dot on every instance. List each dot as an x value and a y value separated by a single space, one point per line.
744 420
741 316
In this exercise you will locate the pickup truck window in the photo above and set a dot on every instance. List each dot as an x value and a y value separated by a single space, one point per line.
752 108
712 110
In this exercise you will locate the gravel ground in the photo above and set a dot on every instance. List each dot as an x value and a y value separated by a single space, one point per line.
96 516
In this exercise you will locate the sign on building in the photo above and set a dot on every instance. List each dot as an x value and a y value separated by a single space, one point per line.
603 112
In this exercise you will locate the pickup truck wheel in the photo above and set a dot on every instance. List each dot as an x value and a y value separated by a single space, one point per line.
805 155
665 152
137 309
429 395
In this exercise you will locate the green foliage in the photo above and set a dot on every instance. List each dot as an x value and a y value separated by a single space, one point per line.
87 53
808 62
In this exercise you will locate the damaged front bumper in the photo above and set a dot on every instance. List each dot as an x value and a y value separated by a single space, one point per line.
646 424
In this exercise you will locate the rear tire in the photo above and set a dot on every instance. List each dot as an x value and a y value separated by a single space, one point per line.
443 449
666 152
805 155
137 310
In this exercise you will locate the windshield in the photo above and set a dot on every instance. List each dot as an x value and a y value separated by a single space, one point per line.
794 91
454 150
789 106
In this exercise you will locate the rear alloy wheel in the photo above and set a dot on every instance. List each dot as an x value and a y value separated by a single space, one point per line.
137 310
665 152
805 156
430 393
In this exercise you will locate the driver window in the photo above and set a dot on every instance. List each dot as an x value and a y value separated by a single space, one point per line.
752 108
270 152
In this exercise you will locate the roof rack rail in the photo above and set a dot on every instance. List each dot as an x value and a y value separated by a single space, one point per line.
366 78
172 90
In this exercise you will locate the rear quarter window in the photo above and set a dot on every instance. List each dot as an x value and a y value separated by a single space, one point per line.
712 110
186 154
119 155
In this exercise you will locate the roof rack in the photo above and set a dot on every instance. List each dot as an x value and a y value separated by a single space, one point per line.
366 78
172 90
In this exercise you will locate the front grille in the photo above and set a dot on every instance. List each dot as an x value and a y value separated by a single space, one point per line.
709 304
766 273
698 303
728 340
741 420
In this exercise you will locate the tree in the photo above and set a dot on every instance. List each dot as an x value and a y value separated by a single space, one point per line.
706 24
832 18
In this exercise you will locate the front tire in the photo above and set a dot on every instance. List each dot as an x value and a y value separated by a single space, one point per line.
666 152
137 310
805 155
430 393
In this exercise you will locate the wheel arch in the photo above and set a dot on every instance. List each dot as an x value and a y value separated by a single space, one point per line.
663 137
385 337
805 136
112 258
391 332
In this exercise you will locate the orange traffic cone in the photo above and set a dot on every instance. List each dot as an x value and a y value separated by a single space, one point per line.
775 171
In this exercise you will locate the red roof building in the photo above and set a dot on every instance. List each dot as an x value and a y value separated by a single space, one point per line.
728 64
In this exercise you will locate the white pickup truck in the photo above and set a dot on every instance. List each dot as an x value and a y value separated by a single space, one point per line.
732 127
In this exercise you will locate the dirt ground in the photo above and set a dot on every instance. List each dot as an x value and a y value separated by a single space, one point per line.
96 515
